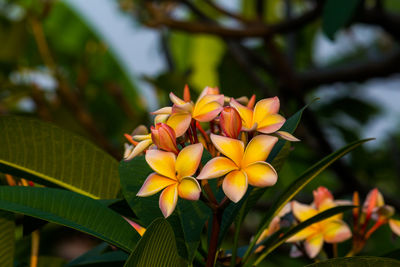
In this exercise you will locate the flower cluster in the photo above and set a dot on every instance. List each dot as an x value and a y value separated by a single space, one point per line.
332 230
239 134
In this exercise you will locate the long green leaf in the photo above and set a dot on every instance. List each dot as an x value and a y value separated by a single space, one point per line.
317 218
40 151
366 261
7 239
72 210
156 248
298 185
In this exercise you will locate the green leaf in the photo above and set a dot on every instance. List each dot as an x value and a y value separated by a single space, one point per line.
156 247
7 239
297 185
358 261
45 153
48 261
187 220
336 14
274 243
72 210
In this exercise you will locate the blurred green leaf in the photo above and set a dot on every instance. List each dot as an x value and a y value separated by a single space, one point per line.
358 261
336 14
155 248
72 210
7 239
48 261
45 153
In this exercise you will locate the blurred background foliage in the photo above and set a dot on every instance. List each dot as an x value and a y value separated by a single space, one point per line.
58 65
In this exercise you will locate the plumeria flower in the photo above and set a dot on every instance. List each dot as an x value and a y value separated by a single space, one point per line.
206 108
375 208
163 137
140 140
241 167
330 230
173 175
264 117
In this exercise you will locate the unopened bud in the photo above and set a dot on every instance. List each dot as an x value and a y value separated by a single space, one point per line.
231 122
164 137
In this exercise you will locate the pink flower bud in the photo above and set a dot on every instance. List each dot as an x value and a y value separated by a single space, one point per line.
231 122
164 137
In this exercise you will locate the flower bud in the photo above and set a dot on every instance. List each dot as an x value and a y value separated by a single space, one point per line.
164 137
231 122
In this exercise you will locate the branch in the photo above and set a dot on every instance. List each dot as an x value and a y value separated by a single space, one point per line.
255 30
356 72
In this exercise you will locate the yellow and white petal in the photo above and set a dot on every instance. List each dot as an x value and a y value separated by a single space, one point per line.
303 212
207 112
266 107
189 189
217 167
153 184
261 174
141 146
287 136
162 162
245 113
258 149
162 111
141 137
235 185
313 245
176 100
232 148
168 200
303 234
188 160
162 118
336 231
187 107
180 122
395 226
270 123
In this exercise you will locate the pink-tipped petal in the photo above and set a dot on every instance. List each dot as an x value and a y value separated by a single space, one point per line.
141 146
258 149
207 113
140 229
153 184
261 174
266 107
162 111
217 167
232 148
162 162
176 100
336 231
189 189
188 160
168 200
287 136
180 122
395 226
245 113
313 245
303 212
270 123
321 194
235 185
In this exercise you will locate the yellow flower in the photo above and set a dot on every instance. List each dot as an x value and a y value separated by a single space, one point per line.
241 167
264 117
173 176
330 230
163 137
206 108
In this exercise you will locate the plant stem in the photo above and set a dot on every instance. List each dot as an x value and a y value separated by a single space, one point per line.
35 248
216 224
